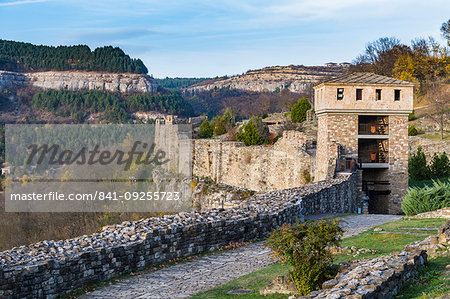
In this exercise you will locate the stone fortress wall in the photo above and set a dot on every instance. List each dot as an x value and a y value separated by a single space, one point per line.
49 268
259 168
79 81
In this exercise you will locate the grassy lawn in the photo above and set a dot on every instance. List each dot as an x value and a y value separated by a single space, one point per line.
384 243
432 281
435 136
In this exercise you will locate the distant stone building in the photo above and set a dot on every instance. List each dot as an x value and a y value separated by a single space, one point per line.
363 121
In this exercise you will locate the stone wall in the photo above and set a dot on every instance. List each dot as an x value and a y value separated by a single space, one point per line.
376 278
398 161
259 168
334 130
79 81
430 147
49 268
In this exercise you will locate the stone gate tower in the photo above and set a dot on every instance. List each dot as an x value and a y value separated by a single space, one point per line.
363 121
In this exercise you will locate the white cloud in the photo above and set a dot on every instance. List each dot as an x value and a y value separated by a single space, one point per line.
21 2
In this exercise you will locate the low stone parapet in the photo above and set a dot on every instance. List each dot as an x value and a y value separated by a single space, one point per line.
49 268
376 278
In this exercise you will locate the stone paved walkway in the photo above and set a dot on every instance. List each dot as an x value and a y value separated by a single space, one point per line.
185 280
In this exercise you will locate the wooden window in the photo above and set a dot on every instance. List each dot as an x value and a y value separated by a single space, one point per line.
397 95
378 94
340 94
359 94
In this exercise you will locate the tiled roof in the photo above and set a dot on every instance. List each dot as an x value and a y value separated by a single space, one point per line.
366 78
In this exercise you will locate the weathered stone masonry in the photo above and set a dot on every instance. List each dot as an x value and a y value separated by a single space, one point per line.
48 268
259 168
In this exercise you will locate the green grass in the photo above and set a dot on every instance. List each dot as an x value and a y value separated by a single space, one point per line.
435 136
421 184
384 243
431 282
254 281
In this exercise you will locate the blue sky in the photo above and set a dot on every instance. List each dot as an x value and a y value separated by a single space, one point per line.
208 38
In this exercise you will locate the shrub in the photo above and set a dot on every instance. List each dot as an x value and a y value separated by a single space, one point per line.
426 199
298 111
411 116
307 176
439 166
265 115
412 131
304 247
417 166
206 129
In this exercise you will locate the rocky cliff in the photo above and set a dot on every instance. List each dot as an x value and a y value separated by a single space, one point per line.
79 81
292 77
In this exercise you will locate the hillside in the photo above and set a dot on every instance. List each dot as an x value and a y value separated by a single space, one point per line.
26 57
295 78
76 80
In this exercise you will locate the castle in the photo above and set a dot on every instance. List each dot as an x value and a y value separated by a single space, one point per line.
363 121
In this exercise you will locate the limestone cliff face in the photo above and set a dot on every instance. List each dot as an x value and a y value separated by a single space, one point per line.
79 81
292 77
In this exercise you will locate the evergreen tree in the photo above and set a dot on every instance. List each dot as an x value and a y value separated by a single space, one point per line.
298 111
249 135
206 129
417 166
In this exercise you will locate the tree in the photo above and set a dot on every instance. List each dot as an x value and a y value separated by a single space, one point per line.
439 98
261 128
229 119
445 29
219 125
417 166
439 166
379 56
249 135
298 111
206 129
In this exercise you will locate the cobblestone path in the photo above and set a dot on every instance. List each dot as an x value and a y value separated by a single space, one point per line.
184 280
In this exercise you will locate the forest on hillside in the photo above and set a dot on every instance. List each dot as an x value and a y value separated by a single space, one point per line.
115 107
244 103
24 57
177 83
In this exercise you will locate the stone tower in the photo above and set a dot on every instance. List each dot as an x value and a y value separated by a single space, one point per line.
363 122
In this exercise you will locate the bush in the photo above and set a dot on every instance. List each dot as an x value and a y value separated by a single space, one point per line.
417 166
421 200
412 131
411 116
206 129
307 176
298 111
304 247
439 166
